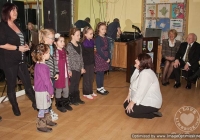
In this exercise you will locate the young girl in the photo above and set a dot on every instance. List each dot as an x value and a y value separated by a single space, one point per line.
46 36
43 87
62 83
76 66
101 57
88 59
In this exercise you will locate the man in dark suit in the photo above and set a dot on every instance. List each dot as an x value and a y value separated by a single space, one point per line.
187 58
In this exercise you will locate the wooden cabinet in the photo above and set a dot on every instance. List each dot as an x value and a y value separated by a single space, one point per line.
119 58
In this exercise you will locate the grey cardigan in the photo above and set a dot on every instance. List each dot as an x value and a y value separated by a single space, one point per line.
75 59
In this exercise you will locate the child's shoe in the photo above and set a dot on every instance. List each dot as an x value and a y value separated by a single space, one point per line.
88 97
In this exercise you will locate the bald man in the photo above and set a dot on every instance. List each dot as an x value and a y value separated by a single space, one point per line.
187 58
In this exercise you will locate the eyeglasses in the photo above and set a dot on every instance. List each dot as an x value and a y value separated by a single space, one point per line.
51 38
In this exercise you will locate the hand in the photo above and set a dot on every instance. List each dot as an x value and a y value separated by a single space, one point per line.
128 99
129 108
176 63
70 73
51 96
186 67
83 71
24 48
56 77
108 60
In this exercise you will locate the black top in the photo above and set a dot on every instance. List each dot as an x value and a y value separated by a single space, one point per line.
88 51
112 30
77 48
81 24
8 58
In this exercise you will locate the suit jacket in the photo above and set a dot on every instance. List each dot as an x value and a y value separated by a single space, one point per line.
193 55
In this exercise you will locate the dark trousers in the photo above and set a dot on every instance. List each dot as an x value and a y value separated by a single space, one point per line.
177 71
99 78
88 79
74 82
140 111
11 74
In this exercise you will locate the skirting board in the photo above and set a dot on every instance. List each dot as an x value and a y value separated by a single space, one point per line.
19 93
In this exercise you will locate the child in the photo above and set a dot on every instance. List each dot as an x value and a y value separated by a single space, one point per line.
62 83
46 36
43 87
88 59
76 66
101 57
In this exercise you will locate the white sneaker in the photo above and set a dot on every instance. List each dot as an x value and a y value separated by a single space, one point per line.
53 113
54 118
104 90
88 96
94 94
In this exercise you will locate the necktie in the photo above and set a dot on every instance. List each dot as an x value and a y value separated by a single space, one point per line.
187 53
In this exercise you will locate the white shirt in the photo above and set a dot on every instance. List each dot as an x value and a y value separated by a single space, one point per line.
186 52
145 89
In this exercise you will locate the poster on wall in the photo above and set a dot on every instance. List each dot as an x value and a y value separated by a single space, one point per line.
178 10
176 24
150 46
151 11
163 1
150 23
163 10
163 23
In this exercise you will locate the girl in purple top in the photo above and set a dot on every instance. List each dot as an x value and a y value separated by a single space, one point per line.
62 84
43 87
88 59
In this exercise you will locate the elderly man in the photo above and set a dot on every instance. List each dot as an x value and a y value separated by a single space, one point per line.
187 58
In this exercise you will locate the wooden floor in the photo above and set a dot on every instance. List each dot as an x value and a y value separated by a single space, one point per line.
100 119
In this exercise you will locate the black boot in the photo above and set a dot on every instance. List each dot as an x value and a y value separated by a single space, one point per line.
31 95
72 98
66 103
60 105
13 100
78 99
194 76
0 118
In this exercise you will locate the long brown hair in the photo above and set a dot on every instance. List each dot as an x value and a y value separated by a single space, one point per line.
72 32
98 26
145 61
85 31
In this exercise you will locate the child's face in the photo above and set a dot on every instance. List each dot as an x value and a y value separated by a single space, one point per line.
46 55
102 30
76 36
60 43
89 34
49 39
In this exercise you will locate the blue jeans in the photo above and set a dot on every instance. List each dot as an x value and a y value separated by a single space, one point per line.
111 47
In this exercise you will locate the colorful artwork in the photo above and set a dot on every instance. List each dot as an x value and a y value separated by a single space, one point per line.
164 1
150 23
176 24
163 23
163 10
178 10
151 11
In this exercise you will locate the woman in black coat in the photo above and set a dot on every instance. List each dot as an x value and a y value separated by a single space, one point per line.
12 57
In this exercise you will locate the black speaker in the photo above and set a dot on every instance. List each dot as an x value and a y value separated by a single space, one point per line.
21 14
57 15
32 16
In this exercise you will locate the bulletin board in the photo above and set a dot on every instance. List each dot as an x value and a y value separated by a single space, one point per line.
166 15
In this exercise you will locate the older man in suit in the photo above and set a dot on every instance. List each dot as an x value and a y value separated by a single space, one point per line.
187 58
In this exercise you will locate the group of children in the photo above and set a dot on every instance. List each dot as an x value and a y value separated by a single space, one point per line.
60 67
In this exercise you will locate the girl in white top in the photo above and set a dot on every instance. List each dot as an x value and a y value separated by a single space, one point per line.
144 98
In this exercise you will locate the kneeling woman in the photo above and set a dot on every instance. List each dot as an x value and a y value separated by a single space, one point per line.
144 98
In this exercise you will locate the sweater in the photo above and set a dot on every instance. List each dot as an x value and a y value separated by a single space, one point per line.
88 51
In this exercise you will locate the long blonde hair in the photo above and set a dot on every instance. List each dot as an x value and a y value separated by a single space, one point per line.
43 33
